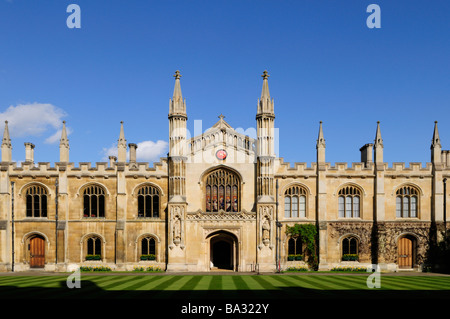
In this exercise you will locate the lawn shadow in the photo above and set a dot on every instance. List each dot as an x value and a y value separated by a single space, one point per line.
286 300
90 290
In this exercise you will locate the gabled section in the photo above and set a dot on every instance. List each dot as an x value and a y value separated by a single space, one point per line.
223 135
221 124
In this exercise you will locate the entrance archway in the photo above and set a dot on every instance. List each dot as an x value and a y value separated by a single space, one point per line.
37 252
406 252
223 251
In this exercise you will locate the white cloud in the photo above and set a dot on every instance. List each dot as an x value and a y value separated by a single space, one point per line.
151 151
111 151
147 151
57 136
32 119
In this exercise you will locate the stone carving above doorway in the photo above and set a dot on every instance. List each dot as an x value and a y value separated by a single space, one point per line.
221 215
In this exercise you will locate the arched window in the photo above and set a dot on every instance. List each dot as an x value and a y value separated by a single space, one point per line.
350 249
222 191
349 204
148 202
93 248
36 201
148 248
94 201
295 246
295 202
406 202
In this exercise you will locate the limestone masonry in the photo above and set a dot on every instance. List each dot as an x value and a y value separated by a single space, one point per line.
212 204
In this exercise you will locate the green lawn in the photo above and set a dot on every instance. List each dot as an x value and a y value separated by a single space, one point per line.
213 287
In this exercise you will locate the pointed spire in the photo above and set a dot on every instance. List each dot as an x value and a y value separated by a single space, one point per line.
6 139
265 104
64 140
177 105
265 94
64 145
320 146
378 139
177 89
221 121
122 139
436 140
378 152
6 145
122 145
436 150
320 138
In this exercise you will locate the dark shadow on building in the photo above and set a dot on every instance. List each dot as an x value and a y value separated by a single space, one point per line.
438 253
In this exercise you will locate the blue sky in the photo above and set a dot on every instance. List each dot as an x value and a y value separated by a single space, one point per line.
325 64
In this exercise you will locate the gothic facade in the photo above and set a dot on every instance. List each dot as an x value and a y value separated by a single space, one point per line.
220 200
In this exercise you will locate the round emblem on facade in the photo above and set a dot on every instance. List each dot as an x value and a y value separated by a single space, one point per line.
221 154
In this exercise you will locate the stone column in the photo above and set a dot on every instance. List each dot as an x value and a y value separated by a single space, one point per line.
5 218
63 216
121 211
321 200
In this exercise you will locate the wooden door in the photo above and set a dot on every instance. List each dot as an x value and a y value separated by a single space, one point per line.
37 252
405 253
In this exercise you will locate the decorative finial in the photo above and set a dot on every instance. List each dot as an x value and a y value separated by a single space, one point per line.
177 75
221 117
378 139
265 75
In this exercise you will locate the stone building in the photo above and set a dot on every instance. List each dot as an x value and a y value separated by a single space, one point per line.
219 200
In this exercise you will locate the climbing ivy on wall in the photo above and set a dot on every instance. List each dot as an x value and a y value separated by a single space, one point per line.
308 235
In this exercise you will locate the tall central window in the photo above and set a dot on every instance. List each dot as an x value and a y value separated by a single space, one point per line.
36 204
349 202
94 201
295 202
148 202
222 191
406 202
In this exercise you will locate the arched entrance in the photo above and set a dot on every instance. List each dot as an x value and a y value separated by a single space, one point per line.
37 251
223 251
406 252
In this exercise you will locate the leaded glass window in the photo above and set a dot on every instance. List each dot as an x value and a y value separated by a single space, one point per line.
222 191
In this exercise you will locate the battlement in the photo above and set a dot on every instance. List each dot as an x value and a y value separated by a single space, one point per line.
84 169
342 169
413 166
299 168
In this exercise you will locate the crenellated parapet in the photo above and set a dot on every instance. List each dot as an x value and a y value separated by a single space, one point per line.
86 169
415 170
